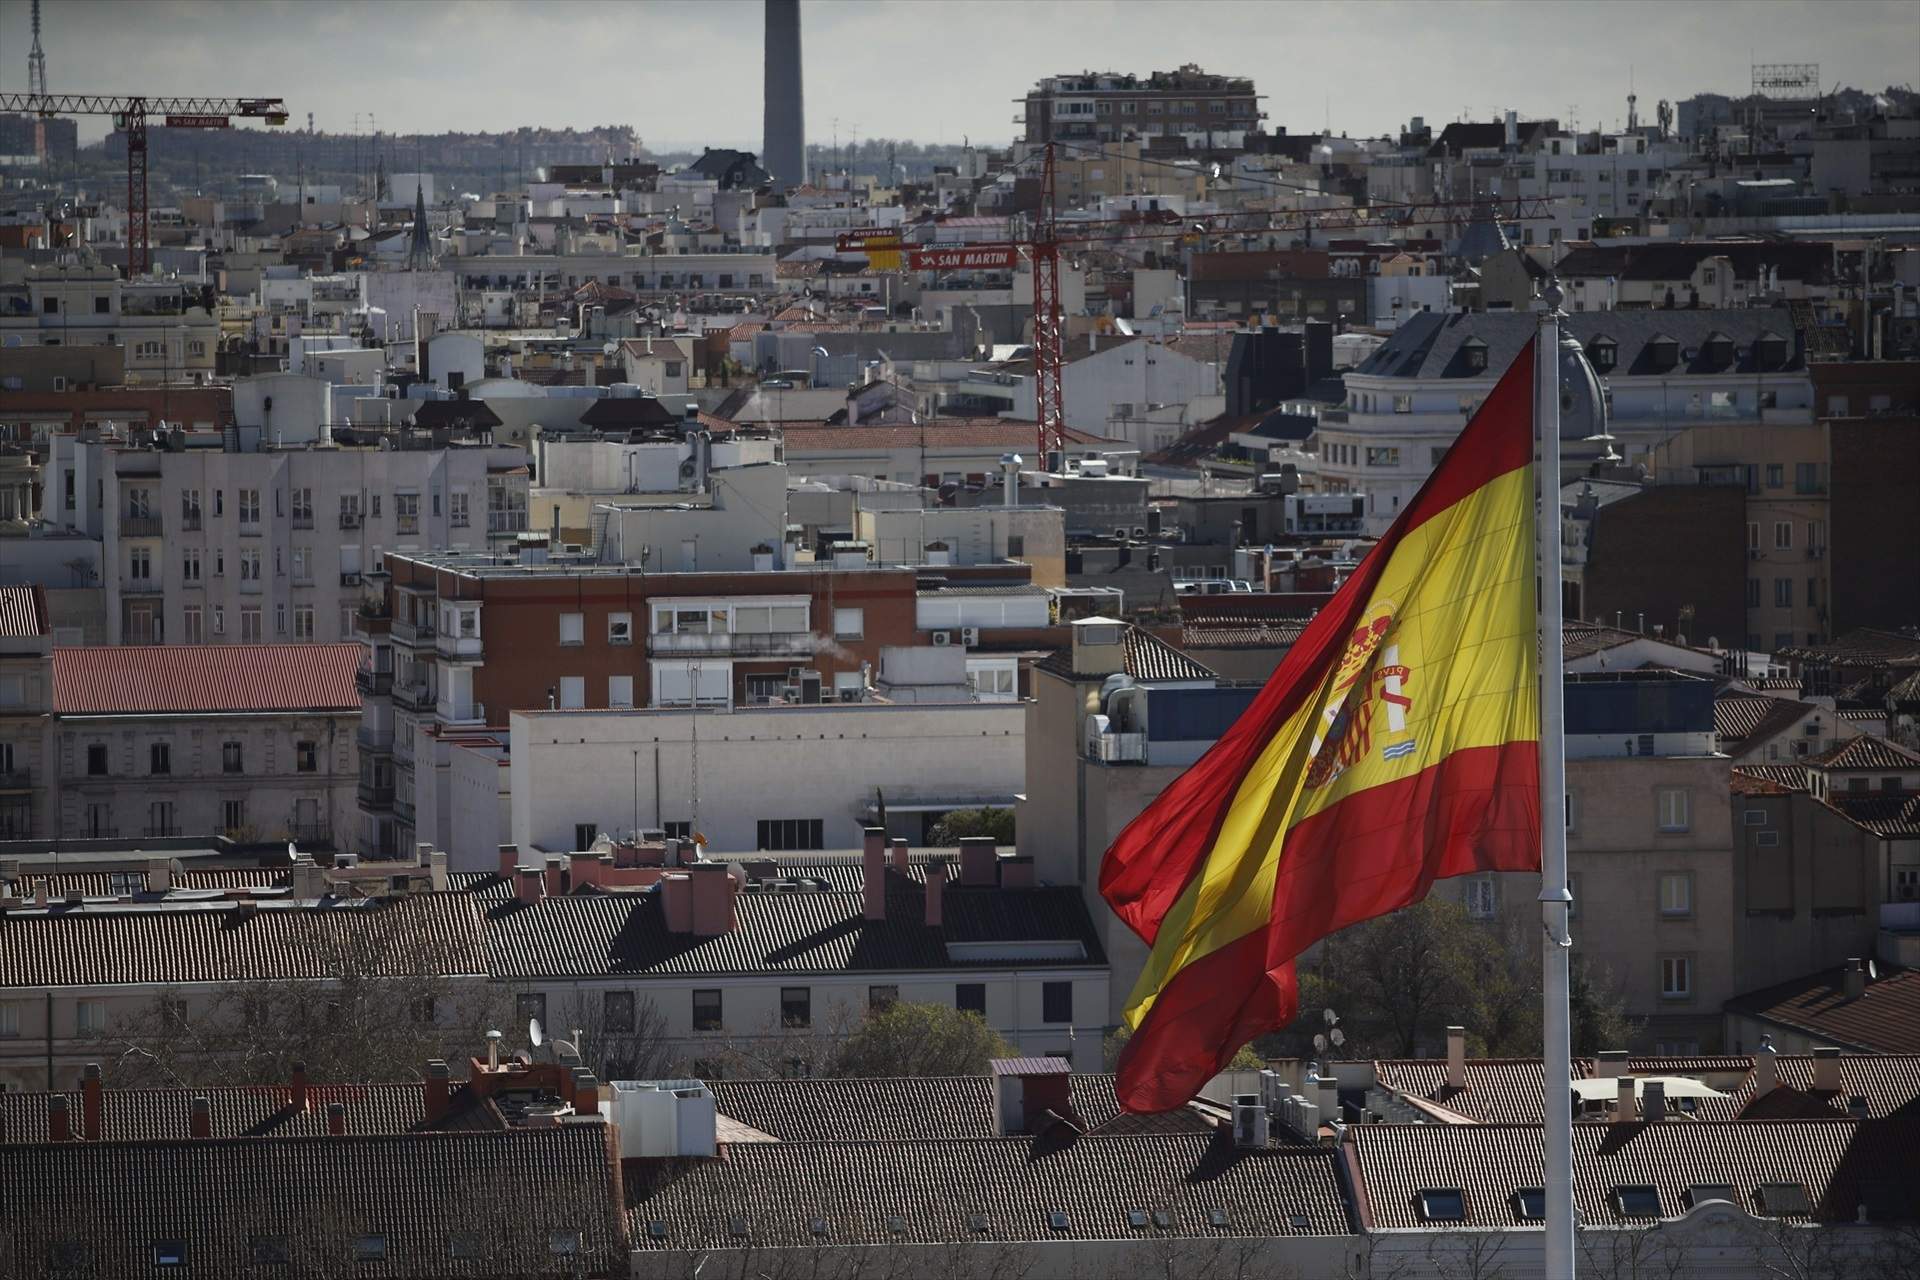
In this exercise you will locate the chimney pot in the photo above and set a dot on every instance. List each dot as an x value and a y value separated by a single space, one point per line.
90 1101
873 879
1456 1057
1855 979
59 1128
437 1091
1826 1070
902 860
1766 1068
201 1117
1623 1104
337 1119
1653 1101
297 1092
936 889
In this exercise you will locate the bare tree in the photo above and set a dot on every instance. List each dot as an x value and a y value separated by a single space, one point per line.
617 1039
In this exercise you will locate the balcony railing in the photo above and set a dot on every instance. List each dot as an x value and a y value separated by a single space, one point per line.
140 586
739 643
303 519
250 528
190 521
413 697
452 646
377 683
378 740
16 780
375 795
412 631
506 522
141 527
160 831
310 833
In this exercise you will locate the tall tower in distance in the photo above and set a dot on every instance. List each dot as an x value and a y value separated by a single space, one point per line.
37 86
783 139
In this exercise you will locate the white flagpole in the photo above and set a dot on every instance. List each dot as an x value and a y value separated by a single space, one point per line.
1555 901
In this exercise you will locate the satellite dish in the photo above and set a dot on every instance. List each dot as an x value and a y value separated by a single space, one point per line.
1338 1037
1873 971
565 1049
1330 1016
1319 1043
534 1034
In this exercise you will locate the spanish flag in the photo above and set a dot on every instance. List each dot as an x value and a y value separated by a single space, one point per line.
1395 745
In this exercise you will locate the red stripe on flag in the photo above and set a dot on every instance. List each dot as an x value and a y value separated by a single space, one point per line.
1151 861
1374 852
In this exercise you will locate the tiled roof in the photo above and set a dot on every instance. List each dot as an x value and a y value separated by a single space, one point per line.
1242 633
133 679
23 612
1867 751
1886 1019
808 932
230 941
1833 1159
1677 261
902 1109
100 884
778 1189
145 1115
941 433
1744 721
1890 1083
1783 684
1578 640
1147 658
1786 777
1428 344
1861 647
513 1189
1906 691
1885 814
1509 1090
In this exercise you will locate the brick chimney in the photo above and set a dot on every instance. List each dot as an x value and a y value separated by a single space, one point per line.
200 1117
937 888
1826 1070
1653 1101
1623 1105
1609 1062
437 1090
978 861
337 1119
586 1093
1854 978
529 884
1766 1068
555 866
509 861
1016 872
59 1127
1456 1057
712 886
873 866
901 860
297 1091
91 1101
583 870
676 901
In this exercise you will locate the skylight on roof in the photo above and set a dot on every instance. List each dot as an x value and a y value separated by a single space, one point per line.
1446 1204
1136 1218
896 1224
1217 1217
1637 1202
818 1226
1058 1220
976 1222
1530 1204
1782 1197
1701 1192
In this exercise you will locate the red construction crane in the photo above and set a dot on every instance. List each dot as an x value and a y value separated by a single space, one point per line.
130 114
1046 234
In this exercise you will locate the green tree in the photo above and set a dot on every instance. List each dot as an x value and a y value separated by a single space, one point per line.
997 823
920 1040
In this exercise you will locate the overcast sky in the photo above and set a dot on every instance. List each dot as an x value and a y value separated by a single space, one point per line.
686 72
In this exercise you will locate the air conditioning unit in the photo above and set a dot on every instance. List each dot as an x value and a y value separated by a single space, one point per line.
969 635
941 639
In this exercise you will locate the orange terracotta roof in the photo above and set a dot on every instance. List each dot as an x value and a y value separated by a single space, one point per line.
133 679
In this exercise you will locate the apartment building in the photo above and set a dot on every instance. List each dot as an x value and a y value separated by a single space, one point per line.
1107 106
166 328
1663 372
26 706
251 742
208 543
455 643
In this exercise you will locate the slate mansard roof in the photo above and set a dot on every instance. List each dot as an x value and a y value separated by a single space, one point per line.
1428 345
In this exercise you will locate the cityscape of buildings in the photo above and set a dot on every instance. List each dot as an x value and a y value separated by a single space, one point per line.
561 707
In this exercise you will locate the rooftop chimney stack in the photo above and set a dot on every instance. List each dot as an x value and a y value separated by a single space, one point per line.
586 1093
529 884
1856 978
297 1091
337 1119
1016 871
873 880
1826 1070
438 1091
1653 1101
1610 1062
200 1120
509 860
978 861
59 1127
783 149
1456 1057
937 888
902 859
1623 1104
1766 1068
90 1101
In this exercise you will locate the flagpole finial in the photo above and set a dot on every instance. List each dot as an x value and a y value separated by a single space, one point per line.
1553 295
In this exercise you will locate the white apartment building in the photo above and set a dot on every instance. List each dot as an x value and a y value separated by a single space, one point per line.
165 328
1662 372
205 544
755 778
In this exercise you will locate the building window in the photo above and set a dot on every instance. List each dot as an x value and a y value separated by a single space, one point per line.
620 628
1783 535
406 512
159 758
573 628
306 757
584 834
849 624
706 1010
970 997
96 760
1403 404
1753 599
1483 897
1056 1002
1783 593
1676 977
303 622
796 1006
9 1020
1776 475
233 815
884 996
1672 808
779 834
619 691
230 758
169 1253
1906 884
1676 894
616 1011
369 1248
1016 545
573 692
89 1017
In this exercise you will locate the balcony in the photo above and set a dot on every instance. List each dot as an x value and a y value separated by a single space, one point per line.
406 524
303 519
310 833
413 697
507 521
460 648
375 795
250 586
251 528
371 624
141 527
16 780
770 644
377 684
413 632
1119 748
402 807
160 831
140 586
379 741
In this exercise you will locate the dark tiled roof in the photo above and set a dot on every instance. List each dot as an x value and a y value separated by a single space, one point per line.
23 612
1147 658
1831 1158
1806 262
779 1188
129 679
229 941
1861 647
462 414
1242 633
1868 751
1886 814
143 1115
1786 777
1579 640
941 433
1742 722
627 413
216 1196
1509 1090
1428 344
1886 1019
808 932
99 884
